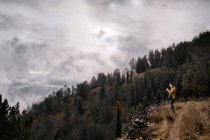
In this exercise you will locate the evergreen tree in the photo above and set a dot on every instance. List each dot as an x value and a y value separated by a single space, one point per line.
117 76
123 77
140 65
101 79
110 79
11 124
157 59
181 52
102 92
168 57
152 59
132 65
118 123
127 77
83 89
93 82
73 90
79 106
145 62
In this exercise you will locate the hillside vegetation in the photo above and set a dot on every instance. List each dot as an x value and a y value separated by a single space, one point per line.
101 109
191 121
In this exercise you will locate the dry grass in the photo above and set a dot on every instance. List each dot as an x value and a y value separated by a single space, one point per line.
196 121
163 119
157 117
194 125
178 107
162 114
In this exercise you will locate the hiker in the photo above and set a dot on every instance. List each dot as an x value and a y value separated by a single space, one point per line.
171 95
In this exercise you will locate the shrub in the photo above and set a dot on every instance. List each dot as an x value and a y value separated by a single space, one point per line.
157 117
135 110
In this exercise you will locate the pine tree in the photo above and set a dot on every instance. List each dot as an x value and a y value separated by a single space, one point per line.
127 77
141 64
152 59
145 62
118 123
93 82
123 77
73 90
102 92
157 58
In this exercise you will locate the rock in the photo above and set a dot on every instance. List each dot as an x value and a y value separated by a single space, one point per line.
135 125
139 121
148 124
139 125
130 128
154 133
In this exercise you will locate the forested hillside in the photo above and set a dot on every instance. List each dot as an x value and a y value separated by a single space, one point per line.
101 108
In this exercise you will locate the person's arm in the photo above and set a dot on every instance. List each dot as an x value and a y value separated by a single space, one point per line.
172 91
168 90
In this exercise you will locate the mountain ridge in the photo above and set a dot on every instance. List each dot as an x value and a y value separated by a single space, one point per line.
102 108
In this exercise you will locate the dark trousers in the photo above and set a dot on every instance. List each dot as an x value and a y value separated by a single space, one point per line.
171 100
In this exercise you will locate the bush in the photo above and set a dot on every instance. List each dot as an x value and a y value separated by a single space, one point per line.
135 110
157 117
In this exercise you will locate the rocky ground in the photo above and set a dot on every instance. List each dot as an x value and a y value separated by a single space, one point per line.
140 125
159 123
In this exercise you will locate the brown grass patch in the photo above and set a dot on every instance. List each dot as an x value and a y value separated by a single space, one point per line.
178 107
157 117
161 114
163 119
196 123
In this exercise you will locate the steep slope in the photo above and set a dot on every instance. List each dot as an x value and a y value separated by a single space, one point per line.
89 112
191 121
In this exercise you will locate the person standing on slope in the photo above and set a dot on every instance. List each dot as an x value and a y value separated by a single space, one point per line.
171 95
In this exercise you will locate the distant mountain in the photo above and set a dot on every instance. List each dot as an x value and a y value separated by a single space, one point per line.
26 94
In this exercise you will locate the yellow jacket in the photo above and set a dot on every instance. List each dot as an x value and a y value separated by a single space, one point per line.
172 92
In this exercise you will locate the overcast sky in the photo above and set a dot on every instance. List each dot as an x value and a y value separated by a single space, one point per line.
53 42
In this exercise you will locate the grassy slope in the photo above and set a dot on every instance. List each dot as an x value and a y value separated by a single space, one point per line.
194 122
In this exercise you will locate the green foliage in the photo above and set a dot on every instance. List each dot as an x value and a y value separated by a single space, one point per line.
102 94
94 111
181 52
154 59
158 96
79 106
140 66
101 79
66 114
135 110
93 82
42 131
13 125
106 115
194 82
83 90
50 105
118 123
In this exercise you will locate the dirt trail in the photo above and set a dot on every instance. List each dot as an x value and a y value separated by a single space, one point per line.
174 132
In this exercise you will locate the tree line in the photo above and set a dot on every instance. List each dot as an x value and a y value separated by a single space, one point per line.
101 108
